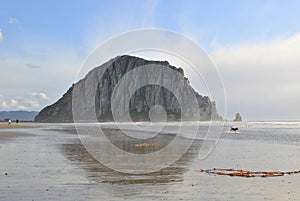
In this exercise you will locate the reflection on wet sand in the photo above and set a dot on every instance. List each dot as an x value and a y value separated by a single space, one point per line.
97 172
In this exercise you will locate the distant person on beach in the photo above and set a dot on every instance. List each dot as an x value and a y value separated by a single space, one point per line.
17 121
9 121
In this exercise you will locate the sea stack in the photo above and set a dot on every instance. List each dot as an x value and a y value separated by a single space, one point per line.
238 117
141 101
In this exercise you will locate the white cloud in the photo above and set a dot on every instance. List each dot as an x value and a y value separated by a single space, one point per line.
41 95
12 104
1 36
3 104
262 79
30 102
280 51
12 20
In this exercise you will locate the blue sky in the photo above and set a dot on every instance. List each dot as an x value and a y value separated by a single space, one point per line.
43 44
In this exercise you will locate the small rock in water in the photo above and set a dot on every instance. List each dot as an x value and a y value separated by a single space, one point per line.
238 117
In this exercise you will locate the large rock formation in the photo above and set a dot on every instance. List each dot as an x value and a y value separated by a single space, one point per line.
141 101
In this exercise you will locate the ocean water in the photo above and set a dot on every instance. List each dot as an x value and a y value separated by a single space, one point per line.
52 164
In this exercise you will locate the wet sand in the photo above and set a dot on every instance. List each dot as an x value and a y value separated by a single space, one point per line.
6 135
8 131
52 164
5 125
98 173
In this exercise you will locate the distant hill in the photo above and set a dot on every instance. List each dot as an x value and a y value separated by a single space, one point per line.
20 114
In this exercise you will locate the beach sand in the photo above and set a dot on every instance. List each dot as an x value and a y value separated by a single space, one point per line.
5 125
52 164
8 131
6 135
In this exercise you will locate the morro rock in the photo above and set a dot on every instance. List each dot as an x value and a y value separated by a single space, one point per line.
141 101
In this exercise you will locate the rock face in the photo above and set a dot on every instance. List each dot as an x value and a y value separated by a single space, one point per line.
105 79
59 112
238 117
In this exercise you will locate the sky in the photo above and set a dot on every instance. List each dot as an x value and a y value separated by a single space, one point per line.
254 44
